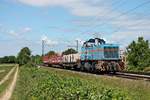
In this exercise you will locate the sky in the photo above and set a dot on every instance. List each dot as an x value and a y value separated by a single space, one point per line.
25 23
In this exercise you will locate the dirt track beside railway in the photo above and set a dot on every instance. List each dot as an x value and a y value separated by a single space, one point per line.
8 92
7 76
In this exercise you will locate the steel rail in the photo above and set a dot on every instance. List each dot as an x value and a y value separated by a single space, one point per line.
127 75
133 76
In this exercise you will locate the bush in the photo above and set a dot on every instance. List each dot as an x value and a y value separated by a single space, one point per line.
29 64
138 54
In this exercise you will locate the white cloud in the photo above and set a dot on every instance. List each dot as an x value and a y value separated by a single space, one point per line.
19 33
127 27
76 7
126 37
13 33
26 29
48 41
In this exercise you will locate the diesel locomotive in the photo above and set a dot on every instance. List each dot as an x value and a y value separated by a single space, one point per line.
96 56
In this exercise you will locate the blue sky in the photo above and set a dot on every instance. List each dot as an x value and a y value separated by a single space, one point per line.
61 22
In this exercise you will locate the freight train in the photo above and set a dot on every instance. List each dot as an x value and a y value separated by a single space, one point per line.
96 56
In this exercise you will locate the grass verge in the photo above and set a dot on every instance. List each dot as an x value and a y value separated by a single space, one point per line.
54 84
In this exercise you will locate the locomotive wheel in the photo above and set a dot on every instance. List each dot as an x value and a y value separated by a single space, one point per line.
93 68
117 67
111 69
106 67
122 65
87 66
81 67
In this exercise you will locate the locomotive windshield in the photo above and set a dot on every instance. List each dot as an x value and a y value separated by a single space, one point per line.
111 52
91 42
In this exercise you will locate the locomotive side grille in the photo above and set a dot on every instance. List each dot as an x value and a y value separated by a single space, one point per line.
111 52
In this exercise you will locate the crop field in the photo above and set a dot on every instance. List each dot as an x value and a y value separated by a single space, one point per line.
55 84
4 69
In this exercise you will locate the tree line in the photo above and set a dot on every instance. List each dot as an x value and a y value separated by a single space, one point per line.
8 59
25 56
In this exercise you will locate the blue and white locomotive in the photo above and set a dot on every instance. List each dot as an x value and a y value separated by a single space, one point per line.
97 55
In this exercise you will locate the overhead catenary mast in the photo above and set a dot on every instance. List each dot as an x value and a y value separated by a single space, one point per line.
76 46
43 46
96 35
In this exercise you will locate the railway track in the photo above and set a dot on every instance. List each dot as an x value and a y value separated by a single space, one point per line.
127 75
133 76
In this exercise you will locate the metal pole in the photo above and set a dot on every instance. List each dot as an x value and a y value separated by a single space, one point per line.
42 47
77 45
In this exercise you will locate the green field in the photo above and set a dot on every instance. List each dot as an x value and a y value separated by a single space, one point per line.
54 84
4 69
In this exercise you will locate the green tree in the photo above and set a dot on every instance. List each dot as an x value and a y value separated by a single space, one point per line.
1 59
24 56
37 59
8 59
11 59
5 59
50 53
138 54
69 51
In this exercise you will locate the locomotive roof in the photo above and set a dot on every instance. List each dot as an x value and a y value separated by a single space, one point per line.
101 41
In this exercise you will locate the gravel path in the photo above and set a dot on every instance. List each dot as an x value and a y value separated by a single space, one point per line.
8 92
7 76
